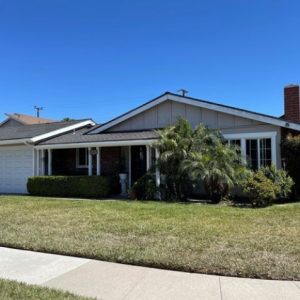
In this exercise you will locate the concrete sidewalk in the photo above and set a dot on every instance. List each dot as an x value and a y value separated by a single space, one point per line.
116 281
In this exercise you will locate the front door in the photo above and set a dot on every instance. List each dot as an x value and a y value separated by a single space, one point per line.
138 162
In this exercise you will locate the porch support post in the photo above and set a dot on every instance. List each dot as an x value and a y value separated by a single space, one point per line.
157 172
129 166
33 162
49 162
37 162
89 162
43 162
148 157
99 161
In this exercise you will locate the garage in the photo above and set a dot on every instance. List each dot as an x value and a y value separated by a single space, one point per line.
16 165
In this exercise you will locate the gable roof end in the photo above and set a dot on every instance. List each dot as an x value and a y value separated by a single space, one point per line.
198 103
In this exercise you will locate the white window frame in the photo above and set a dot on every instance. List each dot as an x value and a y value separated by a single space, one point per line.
78 166
255 136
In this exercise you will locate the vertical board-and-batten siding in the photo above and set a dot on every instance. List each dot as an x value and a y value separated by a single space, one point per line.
167 112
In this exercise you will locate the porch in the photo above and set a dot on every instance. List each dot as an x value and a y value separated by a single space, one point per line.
110 161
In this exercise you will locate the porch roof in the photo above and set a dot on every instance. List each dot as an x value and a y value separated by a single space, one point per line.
33 130
79 137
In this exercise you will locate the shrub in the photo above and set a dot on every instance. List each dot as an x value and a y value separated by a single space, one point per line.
259 189
291 153
68 186
144 188
281 179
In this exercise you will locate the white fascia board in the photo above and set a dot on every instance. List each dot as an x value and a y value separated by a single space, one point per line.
97 144
130 114
14 142
201 104
61 130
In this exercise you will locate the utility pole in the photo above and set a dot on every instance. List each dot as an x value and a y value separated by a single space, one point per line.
38 109
183 92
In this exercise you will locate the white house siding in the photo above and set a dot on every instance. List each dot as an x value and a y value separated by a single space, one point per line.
16 165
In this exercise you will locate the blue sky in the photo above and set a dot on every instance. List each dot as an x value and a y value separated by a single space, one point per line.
100 58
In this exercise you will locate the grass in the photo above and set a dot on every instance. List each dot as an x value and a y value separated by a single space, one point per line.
259 243
12 290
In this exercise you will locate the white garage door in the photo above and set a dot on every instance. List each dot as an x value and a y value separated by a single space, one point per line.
16 165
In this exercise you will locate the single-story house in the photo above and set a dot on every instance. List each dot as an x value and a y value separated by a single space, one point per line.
123 144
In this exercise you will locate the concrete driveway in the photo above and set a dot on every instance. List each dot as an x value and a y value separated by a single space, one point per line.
106 280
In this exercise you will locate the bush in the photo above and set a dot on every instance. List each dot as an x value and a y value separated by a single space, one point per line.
259 189
144 188
281 179
68 186
291 152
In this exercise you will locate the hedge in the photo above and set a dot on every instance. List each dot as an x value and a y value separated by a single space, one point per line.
68 186
290 148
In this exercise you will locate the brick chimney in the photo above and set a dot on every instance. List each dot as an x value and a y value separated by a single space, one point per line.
292 103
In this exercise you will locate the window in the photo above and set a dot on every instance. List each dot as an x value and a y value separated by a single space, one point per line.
265 152
259 153
236 144
252 154
258 149
82 157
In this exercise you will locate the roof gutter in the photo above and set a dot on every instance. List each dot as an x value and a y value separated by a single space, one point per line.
97 144
14 142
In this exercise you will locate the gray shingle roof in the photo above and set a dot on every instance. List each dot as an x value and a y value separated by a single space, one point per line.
80 137
30 131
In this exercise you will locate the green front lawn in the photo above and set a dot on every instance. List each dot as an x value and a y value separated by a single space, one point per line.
262 243
12 290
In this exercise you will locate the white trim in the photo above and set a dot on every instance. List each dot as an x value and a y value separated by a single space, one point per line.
98 160
250 135
46 135
97 144
49 162
13 142
43 162
202 104
157 172
79 166
33 161
148 157
256 135
38 162
61 130
90 166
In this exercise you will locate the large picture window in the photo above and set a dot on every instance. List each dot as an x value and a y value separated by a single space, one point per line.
258 149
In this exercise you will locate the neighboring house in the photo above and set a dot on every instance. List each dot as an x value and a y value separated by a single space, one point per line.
17 154
123 145
17 119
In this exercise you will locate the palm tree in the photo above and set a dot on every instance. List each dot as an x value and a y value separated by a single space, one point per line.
190 156
217 165
174 145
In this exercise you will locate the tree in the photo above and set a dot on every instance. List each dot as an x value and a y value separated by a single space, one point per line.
197 156
67 119
217 165
174 144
